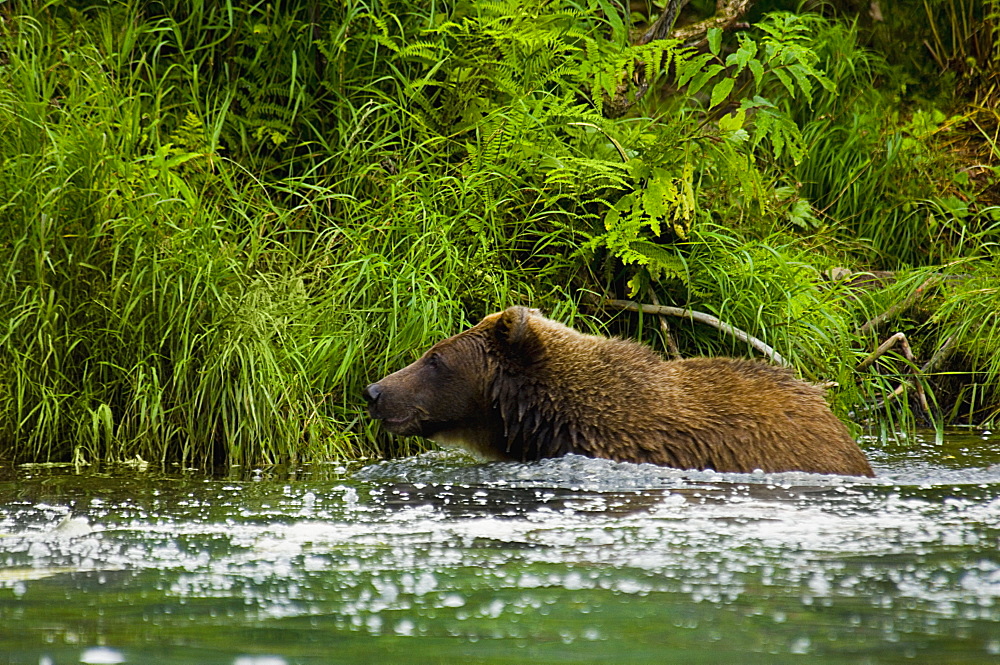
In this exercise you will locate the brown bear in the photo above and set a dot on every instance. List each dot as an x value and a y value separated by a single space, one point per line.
519 386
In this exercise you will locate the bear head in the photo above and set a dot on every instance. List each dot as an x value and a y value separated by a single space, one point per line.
448 395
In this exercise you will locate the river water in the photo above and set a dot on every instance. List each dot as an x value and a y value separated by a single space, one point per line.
439 559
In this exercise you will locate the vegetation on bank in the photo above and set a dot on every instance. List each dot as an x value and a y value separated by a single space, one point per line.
220 222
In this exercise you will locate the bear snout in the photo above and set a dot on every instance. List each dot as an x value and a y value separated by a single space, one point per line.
397 416
371 393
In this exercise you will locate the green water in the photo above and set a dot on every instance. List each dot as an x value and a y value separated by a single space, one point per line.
437 559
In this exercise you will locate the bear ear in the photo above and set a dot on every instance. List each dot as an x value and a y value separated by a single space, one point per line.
515 335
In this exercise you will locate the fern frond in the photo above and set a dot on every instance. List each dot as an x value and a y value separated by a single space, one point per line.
661 262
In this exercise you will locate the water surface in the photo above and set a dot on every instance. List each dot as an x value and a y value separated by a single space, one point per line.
441 559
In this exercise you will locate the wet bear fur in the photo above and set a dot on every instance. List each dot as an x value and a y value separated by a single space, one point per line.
519 386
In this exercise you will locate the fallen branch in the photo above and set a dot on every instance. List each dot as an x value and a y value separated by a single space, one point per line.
662 27
700 317
900 307
727 17
942 354
898 338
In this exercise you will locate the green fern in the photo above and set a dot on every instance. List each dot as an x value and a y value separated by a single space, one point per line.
269 87
661 207
607 71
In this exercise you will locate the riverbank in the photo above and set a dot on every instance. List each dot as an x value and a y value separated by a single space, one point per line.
224 222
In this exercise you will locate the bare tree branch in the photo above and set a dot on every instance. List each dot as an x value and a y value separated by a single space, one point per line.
942 354
900 339
662 26
668 334
901 306
700 317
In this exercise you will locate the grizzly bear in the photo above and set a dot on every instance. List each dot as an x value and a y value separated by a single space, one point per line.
519 386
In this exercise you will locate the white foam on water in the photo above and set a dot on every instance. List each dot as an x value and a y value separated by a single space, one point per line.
437 533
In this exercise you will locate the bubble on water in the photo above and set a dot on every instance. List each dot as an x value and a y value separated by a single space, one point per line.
529 581
259 660
494 609
573 581
350 497
983 581
800 645
452 600
425 583
388 593
274 546
404 628
631 587
819 585
102 656
313 563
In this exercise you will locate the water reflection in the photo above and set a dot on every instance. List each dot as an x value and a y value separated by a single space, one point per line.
560 561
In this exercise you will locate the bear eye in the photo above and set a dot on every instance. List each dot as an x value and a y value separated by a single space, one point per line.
434 361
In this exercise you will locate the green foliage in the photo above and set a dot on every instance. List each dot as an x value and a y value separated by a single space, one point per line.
225 220
969 316
662 200
660 205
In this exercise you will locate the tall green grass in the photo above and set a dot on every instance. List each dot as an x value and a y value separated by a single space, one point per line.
222 221
171 303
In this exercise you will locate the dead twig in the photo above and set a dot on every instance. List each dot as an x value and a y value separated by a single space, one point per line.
700 317
900 339
903 305
668 335
941 355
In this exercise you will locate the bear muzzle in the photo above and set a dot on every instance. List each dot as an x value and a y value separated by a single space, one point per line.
406 424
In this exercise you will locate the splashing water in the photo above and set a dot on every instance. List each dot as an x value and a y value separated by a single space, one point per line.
568 560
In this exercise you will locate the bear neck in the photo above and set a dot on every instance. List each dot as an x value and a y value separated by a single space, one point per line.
552 406
536 424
